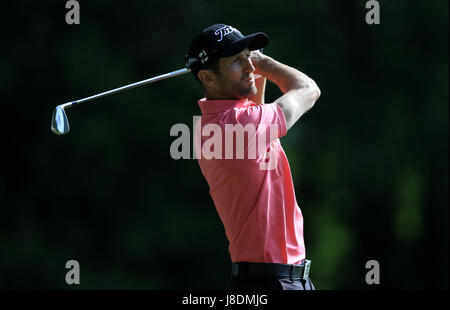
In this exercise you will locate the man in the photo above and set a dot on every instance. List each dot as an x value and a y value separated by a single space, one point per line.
252 190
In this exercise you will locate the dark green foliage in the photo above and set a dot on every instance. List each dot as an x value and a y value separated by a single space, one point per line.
369 161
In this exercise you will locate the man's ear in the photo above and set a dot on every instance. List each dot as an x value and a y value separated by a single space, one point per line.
206 77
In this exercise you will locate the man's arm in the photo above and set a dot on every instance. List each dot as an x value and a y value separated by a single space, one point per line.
260 84
300 91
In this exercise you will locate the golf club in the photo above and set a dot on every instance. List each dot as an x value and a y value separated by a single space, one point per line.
60 123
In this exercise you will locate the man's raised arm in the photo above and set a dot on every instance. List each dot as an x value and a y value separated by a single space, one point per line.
260 84
300 91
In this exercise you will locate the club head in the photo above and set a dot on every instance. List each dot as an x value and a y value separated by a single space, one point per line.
60 123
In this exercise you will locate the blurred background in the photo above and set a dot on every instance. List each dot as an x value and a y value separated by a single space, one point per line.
369 161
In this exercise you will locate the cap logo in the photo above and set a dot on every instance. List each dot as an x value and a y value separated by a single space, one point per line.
224 31
203 57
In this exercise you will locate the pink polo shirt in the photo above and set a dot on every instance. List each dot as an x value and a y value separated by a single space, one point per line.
253 194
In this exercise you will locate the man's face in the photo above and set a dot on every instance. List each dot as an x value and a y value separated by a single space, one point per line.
235 78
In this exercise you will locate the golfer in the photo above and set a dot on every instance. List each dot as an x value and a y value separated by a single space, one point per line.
250 179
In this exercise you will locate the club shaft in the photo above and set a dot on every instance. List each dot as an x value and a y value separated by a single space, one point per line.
129 86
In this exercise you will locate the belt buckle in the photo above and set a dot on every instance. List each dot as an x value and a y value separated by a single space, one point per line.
306 269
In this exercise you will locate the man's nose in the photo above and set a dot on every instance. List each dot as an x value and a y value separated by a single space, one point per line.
249 66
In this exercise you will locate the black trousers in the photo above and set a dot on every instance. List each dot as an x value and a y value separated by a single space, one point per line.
271 283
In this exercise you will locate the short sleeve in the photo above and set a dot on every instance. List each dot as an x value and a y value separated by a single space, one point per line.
269 115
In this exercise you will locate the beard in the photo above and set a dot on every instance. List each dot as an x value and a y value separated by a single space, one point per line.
237 90
241 91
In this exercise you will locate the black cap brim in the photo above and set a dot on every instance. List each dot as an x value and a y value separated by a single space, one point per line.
253 41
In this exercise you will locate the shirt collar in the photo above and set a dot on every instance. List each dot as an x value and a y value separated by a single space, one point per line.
216 106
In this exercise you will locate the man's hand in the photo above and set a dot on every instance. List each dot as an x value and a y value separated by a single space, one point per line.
256 57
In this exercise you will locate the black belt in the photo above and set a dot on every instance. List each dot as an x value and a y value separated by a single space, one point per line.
244 270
